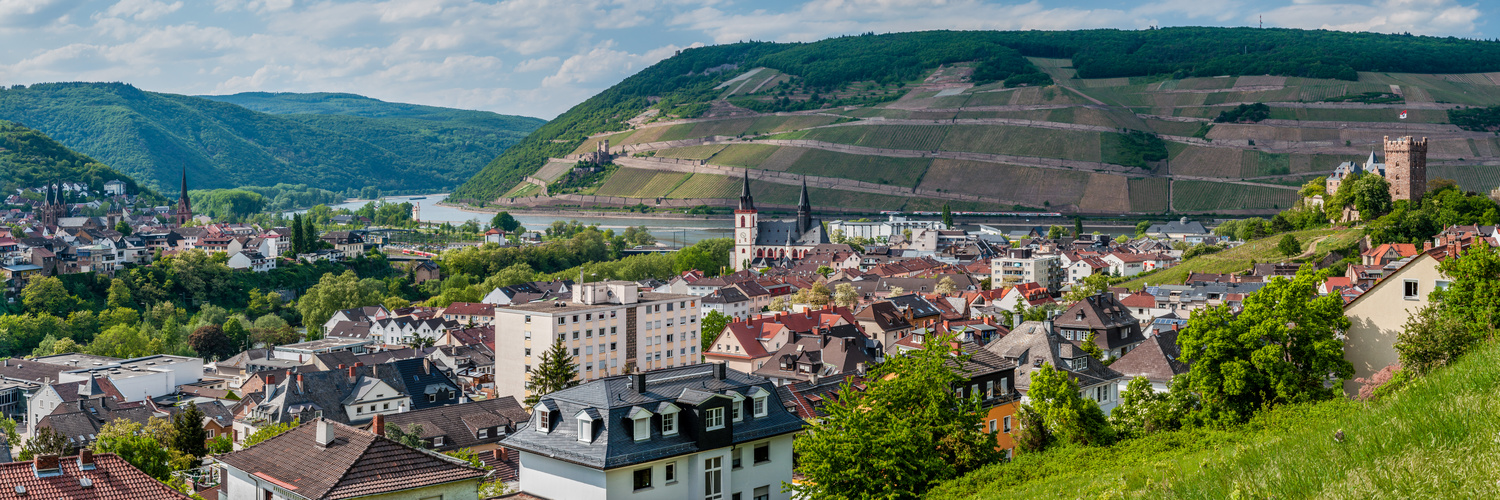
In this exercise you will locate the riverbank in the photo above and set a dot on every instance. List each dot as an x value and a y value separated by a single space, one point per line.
601 214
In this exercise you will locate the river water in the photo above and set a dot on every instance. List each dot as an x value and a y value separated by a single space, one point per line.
678 232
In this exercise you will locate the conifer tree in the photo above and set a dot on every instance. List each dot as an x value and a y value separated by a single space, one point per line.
299 243
554 373
189 436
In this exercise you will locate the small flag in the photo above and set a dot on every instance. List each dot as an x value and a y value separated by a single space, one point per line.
1403 114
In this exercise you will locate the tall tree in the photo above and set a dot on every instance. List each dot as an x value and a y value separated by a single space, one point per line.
118 295
337 292
48 295
845 295
1289 245
1283 347
505 222
555 371
210 341
299 241
1056 397
947 217
945 286
713 324
909 429
188 434
1077 226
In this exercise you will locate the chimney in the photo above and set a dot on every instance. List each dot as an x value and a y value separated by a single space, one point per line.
357 365
956 345
859 368
324 437
300 388
86 459
46 465
377 425
351 374
721 370
426 366
271 379
504 454
813 379
341 366
639 382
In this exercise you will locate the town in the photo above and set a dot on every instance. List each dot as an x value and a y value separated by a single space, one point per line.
698 377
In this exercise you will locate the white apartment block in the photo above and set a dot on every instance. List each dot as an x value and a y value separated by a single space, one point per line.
610 328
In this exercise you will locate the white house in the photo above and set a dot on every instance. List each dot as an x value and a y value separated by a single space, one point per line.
252 260
700 431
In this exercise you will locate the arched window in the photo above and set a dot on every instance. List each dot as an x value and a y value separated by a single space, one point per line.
742 221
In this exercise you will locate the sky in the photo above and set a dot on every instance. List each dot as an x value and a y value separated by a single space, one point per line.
538 58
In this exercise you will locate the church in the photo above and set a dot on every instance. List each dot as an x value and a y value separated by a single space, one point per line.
1405 169
763 243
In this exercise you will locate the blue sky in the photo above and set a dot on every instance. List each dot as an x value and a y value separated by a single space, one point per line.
537 58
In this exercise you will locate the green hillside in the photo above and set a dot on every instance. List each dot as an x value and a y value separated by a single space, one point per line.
1094 121
337 141
1436 438
29 158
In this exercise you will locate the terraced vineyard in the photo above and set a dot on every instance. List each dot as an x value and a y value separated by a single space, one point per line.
1077 145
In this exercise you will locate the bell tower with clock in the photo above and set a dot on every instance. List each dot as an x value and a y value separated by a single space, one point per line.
745 224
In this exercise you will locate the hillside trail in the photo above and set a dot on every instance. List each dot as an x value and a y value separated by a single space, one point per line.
1311 248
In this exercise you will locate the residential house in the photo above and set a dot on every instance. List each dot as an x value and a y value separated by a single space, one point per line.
470 313
1184 229
367 313
348 242
729 302
1378 316
1143 306
1388 253
821 352
86 476
986 377
252 260
476 425
884 322
1035 343
747 345
323 459
1028 295
354 394
688 432
1157 358
1103 320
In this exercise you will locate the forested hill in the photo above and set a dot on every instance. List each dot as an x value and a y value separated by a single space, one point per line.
29 158
871 71
337 141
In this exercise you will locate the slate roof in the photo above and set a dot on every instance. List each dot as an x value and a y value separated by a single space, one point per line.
919 307
838 349
357 463
110 477
615 399
1106 317
1033 343
805 399
327 390
1157 359
784 233
80 420
885 315
1182 226
459 424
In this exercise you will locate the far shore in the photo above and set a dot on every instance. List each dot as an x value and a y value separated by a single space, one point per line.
602 214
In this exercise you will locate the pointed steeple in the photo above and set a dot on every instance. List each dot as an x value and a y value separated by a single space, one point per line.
747 202
184 183
804 211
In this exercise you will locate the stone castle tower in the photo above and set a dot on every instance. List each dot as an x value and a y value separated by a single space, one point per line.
1406 167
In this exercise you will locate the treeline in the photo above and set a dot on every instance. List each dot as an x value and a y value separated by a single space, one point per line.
1244 113
1476 119
28 159
238 204
688 78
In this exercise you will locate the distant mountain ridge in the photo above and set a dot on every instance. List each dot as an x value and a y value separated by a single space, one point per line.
332 141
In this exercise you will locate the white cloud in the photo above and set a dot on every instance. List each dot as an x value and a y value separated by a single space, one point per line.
33 13
142 10
538 64
1420 17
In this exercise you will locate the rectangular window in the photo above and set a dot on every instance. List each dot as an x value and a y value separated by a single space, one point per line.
588 317
669 338
762 453
589 367
734 462
762 493
714 419
611 314
589 350
613 345
562 320
432 398
992 426
575 351
642 478
669 306
671 473
528 334
1440 285
484 433
1004 386
713 479
528 319
575 318
669 424
613 330
760 407
588 334
989 389
528 351
1007 424
575 335
1410 293
738 411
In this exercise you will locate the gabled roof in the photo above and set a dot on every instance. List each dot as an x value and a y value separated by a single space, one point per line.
1157 359
356 464
1139 300
1033 343
110 478
459 424
885 315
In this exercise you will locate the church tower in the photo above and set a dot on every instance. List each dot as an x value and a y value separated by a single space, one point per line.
1406 167
804 211
745 228
184 206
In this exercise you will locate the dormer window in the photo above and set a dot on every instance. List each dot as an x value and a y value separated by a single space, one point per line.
641 418
713 419
586 419
669 420
759 396
544 416
737 412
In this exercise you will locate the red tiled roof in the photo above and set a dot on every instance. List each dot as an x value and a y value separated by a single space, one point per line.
1139 300
112 478
470 309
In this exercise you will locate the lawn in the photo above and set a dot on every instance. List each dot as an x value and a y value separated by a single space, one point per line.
1240 258
1437 438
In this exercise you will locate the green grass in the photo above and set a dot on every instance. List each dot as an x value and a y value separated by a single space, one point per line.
1437 438
1203 196
640 183
1242 257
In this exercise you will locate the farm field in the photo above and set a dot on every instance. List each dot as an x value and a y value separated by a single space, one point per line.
640 183
775 124
701 152
904 172
1007 183
1202 196
915 137
744 155
553 169
1148 195
707 186
1024 141
1479 179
